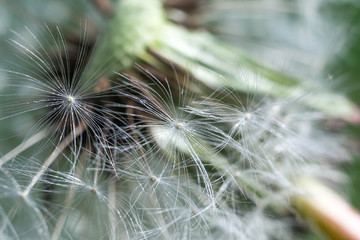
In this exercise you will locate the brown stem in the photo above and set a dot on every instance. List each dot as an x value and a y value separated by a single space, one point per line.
327 211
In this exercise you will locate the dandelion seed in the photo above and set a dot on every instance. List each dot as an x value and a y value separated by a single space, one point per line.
179 126
172 127
93 190
70 99
55 87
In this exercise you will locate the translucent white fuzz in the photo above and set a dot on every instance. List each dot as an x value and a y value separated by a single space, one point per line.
16 212
171 126
49 85
257 143
58 150
58 107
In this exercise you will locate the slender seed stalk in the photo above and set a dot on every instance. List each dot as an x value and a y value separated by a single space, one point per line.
22 147
112 208
68 199
58 150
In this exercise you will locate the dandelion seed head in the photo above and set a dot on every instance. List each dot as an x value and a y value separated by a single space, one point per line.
179 125
93 190
247 116
192 159
23 196
70 99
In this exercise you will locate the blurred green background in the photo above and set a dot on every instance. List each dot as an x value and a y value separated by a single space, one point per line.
346 67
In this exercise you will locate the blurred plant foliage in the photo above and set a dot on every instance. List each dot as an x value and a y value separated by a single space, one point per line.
345 66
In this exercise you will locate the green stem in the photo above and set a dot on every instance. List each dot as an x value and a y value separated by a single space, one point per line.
217 64
139 25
